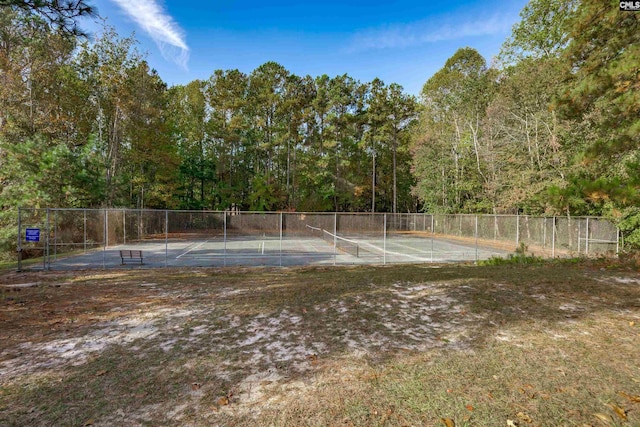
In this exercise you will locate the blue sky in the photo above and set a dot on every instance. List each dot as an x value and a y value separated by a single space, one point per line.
399 41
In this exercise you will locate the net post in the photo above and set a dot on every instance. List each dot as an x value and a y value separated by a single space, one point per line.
384 239
19 245
281 217
166 237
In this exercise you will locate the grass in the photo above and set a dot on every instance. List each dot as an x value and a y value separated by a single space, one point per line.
541 344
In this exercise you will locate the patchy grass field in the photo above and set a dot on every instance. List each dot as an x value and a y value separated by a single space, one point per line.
541 345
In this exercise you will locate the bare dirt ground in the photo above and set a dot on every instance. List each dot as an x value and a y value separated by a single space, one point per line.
540 345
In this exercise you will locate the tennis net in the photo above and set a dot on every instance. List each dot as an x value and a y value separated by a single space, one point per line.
314 231
342 244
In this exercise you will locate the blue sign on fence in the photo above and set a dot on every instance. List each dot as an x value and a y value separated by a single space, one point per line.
32 235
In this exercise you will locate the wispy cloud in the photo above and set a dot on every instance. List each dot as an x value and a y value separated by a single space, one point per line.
155 21
430 31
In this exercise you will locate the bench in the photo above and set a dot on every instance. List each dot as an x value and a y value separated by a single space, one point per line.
129 255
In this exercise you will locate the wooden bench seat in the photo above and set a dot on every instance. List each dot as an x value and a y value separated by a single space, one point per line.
128 255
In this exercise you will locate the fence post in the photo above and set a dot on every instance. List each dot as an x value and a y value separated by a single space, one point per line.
544 235
166 238
553 238
617 241
19 246
432 247
124 226
432 221
46 244
104 239
384 240
224 252
281 223
84 230
335 233
476 232
586 242
55 237
579 234
517 229
106 227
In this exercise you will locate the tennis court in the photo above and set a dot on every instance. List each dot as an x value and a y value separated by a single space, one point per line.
216 252
84 238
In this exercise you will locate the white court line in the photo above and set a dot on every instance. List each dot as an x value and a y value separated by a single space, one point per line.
392 252
194 248
412 248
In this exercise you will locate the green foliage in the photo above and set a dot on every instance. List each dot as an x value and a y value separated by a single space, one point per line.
603 94
61 14
265 195
451 162
629 226
513 259
542 32
520 257
555 131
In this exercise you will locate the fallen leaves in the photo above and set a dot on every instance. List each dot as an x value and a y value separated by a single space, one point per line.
633 399
524 417
606 419
313 359
226 399
620 412
448 422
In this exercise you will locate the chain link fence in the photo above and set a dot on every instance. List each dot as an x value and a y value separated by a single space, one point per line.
94 238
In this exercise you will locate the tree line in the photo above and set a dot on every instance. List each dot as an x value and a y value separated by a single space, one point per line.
90 124
551 127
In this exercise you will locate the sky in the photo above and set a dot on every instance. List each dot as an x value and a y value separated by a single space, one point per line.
398 41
